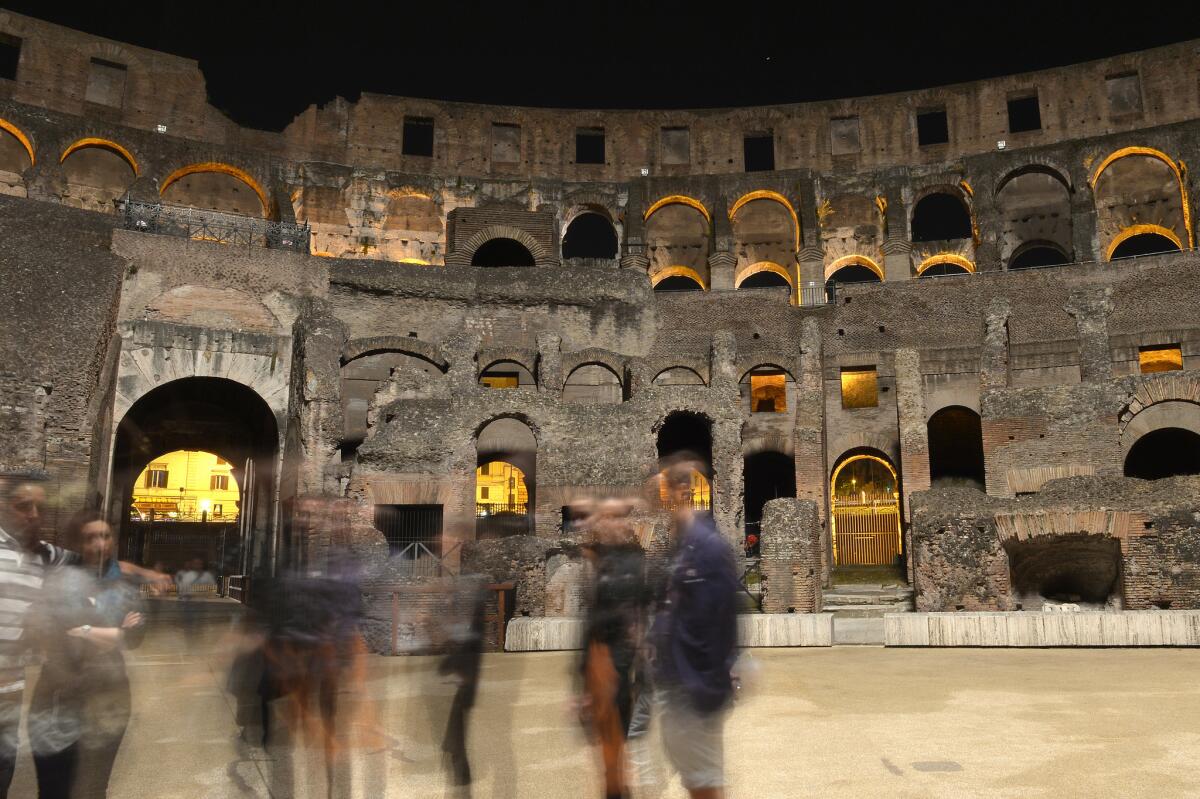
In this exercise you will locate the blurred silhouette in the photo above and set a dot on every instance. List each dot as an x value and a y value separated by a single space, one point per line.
461 662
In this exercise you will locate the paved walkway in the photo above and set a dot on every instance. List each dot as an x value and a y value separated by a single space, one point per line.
843 722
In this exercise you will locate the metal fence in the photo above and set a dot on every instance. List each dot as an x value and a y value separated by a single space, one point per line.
502 520
218 226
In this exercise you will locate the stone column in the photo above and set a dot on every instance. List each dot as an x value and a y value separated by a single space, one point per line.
550 367
726 436
914 435
315 404
897 259
993 366
1084 235
808 435
461 352
721 266
986 216
791 557
1091 308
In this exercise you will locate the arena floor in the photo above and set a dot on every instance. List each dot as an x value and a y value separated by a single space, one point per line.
842 722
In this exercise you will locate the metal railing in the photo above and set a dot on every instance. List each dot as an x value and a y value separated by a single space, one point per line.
501 521
814 292
218 226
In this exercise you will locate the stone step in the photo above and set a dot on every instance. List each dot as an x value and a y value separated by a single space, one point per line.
857 631
867 599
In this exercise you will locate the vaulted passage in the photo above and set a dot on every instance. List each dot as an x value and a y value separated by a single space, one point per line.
684 434
502 252
1167 452
768 476
505 479
1075 569
956 447
1144 244
854 273
939 217
678 283
765 280
1037 256
589 236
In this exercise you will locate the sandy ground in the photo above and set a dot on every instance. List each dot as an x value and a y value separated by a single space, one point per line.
842 722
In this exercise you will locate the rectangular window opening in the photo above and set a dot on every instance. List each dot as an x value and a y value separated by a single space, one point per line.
589 146
413 532
932 127
768 392
860 387
106 83
506 143
1124 94
218 482
676 145
500 379
845 136
156 477
758 150
1024 114
418 137
10 55
1160 358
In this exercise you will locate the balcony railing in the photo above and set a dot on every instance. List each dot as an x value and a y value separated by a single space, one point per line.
502 520
218 226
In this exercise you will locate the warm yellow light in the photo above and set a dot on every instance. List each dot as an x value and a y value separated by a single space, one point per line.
860 388
677 271
768 393
1179 169
680 199
765 194
763 266
850 260
93 141
946 258
1160 359
499 485
21 137
1139 230
224 169
701 491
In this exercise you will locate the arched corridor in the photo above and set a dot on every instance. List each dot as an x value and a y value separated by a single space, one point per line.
1166 452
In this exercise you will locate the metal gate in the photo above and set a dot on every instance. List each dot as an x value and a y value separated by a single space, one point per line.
866 530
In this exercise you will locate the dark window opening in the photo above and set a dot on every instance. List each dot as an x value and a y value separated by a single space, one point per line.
759 152
1143 244
764 280
678 283
932 128
10 56
939 217
589 146
768 476
1038 256
218 482
418 136
502 252
156 478
412 532
590 236
1169 452
1024 114
956 448
855 273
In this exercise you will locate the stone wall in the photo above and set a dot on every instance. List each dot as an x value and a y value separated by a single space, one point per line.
791 557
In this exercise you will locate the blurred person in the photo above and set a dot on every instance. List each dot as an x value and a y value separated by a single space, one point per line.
192 582
81 704
461 663
694 639
24 559
613 630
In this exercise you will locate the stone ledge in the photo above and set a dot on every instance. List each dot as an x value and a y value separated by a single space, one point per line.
549 634
1032 629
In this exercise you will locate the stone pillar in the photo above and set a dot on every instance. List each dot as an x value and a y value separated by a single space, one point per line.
550 367
811 262
46 181
1085 237
721 266
727 437
897 259
993 366
791 557
1091 308
461 353
723 363
315 404
914 435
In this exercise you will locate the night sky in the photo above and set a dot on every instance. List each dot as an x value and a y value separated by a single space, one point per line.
266 62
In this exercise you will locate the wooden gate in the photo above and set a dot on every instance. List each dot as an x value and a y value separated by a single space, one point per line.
866 530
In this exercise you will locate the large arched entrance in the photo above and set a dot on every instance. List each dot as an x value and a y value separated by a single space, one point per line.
767 475
685 434
956 448
505 479
186 448
865 521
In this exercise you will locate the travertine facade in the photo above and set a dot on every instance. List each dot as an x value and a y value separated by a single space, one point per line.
350 366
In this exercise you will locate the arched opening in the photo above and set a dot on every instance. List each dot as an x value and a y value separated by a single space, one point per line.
1035 255
589 235
678 283
678 376
98 173
1166 452
956 448
1143 244
865 494
363 376
1077 569
686 432
765 229
593 383
765 279
16 156
940 217
944 269
677 234
1140 190
187 434
502 252
767 476
507 374
505 479
852 273
215 187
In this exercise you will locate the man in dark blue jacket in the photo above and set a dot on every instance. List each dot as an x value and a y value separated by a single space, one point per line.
695 640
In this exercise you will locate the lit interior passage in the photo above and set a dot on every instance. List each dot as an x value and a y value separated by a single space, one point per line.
1160 359
186 485
1166 452
701 492
500 487
866 512
768 392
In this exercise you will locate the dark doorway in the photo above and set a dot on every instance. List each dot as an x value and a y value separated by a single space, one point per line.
502 252
678 283
855 273
765 279
1143 244
939 217
767 476
1037 256
685 434
590 236
956 448
1169 452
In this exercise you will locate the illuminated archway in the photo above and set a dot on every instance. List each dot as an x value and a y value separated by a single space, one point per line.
949 263
187 486
680 199
763 268
864 494
505 478
500 488
98 172
590 235
1178 171
853 260
765 194
21 138
685 272
217 167
1142 240
105 144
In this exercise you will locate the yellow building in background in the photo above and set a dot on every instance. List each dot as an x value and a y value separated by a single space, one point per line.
187 485
500 485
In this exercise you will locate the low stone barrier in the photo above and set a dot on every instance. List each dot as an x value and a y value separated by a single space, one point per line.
548 634
1033 629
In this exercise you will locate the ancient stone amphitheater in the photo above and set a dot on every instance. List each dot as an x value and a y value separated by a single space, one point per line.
942 339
